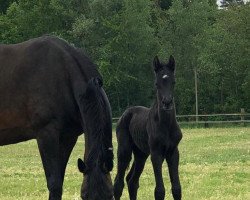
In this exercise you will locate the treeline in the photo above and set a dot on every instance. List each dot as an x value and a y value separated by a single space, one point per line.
123 36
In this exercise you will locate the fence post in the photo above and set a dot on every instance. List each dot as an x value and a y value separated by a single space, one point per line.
242 116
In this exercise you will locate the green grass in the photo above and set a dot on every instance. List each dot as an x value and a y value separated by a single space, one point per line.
214 165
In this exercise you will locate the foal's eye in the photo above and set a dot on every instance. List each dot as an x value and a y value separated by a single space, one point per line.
156 85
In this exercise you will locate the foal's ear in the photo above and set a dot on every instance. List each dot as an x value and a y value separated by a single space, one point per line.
81 166
156 63
171 63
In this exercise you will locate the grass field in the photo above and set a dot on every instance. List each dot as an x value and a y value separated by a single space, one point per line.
214 164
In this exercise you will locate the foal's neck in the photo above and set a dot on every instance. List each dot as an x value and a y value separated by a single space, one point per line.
165 117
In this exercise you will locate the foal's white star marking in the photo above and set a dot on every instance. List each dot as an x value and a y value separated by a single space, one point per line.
165 76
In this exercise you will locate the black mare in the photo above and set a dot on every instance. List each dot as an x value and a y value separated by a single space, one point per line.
155 131
43 84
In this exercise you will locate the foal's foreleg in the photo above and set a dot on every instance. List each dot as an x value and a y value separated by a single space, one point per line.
173 163
48 143
157 160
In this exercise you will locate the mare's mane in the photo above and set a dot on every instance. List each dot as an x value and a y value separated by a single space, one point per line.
97 115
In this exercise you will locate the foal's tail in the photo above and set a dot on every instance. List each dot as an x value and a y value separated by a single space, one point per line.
124 121
124 140
98 122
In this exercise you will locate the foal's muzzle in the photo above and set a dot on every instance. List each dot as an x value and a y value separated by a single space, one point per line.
167 104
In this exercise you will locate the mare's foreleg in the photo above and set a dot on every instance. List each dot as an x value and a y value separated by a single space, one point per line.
48 144
173 164
66 146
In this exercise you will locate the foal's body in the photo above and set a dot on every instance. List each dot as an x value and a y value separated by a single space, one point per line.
144 131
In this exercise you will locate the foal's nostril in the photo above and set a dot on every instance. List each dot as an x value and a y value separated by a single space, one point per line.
166 101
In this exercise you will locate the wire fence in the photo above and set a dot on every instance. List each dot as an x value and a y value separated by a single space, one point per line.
207 120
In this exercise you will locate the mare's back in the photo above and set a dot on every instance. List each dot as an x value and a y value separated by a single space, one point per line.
39 80
33 81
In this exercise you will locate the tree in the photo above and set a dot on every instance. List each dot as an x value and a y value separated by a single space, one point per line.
4 4
226 57
26 19
164 4
120 38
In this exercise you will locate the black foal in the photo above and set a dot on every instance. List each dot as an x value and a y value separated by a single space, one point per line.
155 131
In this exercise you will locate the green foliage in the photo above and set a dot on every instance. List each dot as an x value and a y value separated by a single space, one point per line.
122 43
26 19
4 4
226 57
122 37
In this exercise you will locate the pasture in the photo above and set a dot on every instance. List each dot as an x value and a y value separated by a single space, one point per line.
214 165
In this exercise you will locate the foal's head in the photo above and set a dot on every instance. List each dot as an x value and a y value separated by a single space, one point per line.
164 82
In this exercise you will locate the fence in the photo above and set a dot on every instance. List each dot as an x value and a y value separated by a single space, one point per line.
206 120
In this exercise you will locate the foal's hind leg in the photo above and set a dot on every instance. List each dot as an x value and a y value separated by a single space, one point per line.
48 143
130 172
173 163
124 153
138 166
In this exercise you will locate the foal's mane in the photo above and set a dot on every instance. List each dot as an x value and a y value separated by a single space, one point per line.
99 126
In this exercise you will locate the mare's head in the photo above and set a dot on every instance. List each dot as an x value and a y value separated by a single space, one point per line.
164 82
98 159
97 183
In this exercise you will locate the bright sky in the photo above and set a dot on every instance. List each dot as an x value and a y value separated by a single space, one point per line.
218 1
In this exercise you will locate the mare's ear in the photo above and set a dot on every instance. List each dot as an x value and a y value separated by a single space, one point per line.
99 81
156 64
96 81
92 85
171 63
81 166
